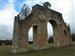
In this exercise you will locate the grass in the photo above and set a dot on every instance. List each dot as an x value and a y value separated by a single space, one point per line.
62 51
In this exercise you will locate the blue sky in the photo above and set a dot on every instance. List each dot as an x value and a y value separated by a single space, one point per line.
10 8
17 4
3 3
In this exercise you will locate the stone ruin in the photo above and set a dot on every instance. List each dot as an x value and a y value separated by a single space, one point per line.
38 19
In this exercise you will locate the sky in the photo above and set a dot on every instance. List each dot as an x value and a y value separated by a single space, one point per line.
10 8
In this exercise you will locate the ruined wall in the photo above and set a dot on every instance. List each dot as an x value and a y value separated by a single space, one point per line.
38 20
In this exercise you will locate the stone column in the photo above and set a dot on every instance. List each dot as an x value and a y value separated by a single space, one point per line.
20 41
15 35
40 37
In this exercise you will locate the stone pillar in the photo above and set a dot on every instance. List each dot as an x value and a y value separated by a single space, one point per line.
40 38
15 35
19 42
58 37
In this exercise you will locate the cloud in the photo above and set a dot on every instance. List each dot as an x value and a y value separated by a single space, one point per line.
7 14
73 18
5 32
62 6
6 20
12 7
66 7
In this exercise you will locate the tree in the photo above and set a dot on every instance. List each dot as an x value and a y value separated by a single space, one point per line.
25 11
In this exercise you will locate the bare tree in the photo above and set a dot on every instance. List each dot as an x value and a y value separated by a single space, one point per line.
25 11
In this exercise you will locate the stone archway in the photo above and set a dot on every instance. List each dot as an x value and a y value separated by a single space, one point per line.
38 18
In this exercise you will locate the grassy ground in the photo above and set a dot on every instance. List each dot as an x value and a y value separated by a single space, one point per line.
62 51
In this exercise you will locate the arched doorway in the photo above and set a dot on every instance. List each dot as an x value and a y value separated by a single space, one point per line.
30 36
50 32
51 28
32 33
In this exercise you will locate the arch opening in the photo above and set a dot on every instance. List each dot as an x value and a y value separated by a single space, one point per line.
50 32
32 33
30 36
65 32
51 25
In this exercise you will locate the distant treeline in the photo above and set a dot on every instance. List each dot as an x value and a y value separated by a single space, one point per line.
50 40
5 42
73 37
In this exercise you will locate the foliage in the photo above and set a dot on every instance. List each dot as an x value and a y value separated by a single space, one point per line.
6 42
73 37
50 40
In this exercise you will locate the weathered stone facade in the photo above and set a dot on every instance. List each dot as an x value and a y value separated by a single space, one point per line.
38 19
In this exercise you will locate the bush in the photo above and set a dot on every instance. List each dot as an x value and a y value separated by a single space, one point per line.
73 37
1 42
50 40
8 42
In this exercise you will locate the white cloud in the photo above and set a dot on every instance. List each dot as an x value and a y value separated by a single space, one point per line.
63 6
7 14
73 18
7 18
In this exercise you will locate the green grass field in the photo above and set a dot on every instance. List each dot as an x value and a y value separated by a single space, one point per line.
62 51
